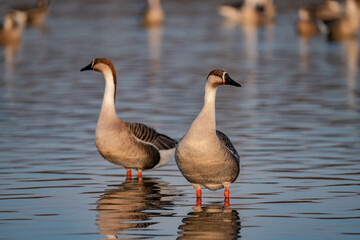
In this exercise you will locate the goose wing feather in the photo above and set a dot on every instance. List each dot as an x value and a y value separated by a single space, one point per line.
150 135
227 142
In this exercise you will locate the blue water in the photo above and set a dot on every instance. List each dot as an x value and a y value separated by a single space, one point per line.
295 123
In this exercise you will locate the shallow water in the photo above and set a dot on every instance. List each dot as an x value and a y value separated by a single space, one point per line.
295 123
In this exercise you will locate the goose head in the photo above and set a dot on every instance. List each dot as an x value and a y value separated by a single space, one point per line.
219 77
102 65
99 65
21 17
12 20
304 14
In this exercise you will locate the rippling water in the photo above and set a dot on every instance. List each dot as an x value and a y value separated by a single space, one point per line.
295 123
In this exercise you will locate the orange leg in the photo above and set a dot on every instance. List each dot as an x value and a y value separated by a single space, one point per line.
198 193
227 203
227 193
198 202
139 175
227 198
128 173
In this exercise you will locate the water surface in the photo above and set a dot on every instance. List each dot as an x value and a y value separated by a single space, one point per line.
295 123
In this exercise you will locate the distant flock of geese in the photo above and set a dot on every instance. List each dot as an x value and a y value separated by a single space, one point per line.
337 20
20 17
205 156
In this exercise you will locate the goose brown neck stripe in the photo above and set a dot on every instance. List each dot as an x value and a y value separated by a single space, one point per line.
111 66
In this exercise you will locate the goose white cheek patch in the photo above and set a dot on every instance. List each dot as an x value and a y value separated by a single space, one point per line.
223 77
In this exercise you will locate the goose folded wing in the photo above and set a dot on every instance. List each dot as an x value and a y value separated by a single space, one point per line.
150 135
226 141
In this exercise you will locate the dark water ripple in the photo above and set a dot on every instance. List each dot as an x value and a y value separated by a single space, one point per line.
295 123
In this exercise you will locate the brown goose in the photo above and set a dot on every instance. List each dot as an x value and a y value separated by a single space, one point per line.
36 14
206 156
131 145
307 25
249 12
12 27
345 27
154 15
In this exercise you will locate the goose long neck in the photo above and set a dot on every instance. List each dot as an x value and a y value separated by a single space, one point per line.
108 104
207 113
204 126
352 13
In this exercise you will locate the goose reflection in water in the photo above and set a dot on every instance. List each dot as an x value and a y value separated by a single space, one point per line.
350 53
121 208
211 222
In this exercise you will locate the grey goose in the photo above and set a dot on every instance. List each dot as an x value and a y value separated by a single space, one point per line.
206 156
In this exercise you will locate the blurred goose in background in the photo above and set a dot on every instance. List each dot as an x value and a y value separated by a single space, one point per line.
346 26
36 14
307 25
249 11
12 27
206 156
131 145
154 15
328 10
358 6
232 11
